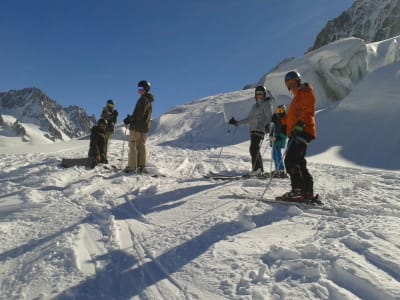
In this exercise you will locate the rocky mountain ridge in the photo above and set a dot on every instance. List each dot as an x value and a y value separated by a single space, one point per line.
370 20
31 105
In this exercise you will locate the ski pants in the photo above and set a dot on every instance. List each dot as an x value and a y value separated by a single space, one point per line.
255 143
107 135
277 157
137 149
296 166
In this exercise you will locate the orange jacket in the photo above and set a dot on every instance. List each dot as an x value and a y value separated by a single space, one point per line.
302 109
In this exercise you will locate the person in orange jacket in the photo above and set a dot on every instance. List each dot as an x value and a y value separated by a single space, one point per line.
300 128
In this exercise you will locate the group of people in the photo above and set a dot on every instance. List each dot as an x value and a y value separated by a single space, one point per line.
297 123
139 125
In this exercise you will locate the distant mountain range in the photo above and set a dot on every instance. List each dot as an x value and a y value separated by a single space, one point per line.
32 106
370 20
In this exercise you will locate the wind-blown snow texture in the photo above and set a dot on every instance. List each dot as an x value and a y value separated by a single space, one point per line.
95 234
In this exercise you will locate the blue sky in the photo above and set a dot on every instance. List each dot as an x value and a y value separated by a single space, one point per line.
83 52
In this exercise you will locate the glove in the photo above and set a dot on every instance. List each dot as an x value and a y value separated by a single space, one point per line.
266 129
272 140
126 120
299 127
232 121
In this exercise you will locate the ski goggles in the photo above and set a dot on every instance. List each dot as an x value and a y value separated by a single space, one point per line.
140 88
260 93
280 111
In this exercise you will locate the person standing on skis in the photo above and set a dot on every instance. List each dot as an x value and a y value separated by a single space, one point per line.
139 125
109 114
277 140
300 128
259 120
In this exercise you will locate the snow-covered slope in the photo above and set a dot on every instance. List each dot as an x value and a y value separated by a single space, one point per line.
95 234
99 234
365 78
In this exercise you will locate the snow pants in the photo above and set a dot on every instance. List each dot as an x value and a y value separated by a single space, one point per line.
137 150
255 144
277 157
107 136
296 166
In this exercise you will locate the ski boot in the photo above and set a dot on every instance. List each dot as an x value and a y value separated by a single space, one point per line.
295 195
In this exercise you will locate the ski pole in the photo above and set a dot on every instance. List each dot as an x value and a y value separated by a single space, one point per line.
222 147
123 147
270 173
136 150
291 140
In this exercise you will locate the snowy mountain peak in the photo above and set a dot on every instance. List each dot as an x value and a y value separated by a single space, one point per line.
32 106
370 20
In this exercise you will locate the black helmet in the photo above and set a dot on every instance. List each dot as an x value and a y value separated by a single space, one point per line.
110 101
102 121
281 109
144 84
261 88
292 75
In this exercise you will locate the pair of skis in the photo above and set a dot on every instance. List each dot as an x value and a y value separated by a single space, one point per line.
315 203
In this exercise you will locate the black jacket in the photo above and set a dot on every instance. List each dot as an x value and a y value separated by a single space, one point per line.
97 144
111 117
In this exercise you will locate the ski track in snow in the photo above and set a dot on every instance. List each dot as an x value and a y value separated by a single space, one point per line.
96 234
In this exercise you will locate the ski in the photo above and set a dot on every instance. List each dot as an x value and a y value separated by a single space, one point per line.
114 168
72 162
228 176
304 205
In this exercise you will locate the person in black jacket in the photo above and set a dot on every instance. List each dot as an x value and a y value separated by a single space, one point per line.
98 147
139 125
109 114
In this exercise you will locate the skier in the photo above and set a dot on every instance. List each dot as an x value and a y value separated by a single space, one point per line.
259 120
139 125
300 127
97 147
109 114
277 140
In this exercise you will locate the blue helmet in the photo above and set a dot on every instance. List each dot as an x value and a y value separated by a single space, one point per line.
292 75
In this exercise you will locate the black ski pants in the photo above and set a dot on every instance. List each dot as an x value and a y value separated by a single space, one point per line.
255 143
296 166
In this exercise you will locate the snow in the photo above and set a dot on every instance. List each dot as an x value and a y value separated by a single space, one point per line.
98 234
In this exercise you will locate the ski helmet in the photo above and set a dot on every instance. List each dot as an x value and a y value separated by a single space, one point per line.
102 121
281 109
110 102
292 75
144 84
261 88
